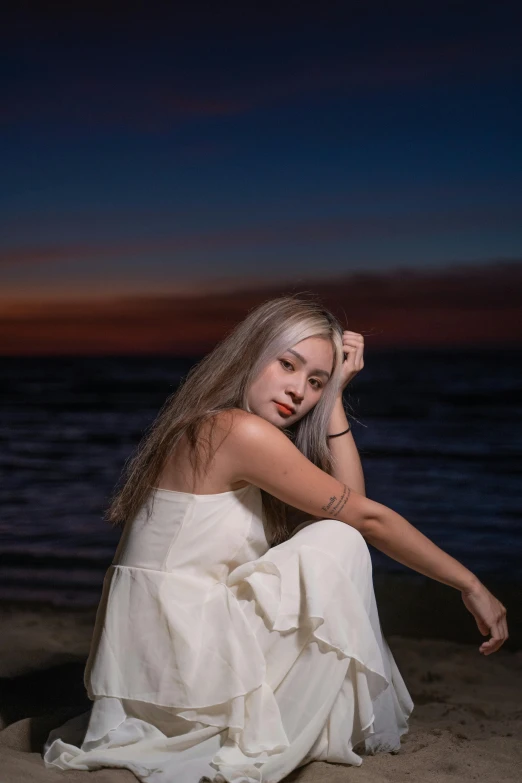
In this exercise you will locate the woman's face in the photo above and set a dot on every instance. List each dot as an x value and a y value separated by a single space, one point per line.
292 384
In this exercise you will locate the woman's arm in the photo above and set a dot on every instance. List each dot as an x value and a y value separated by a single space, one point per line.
346 461
256 451
260 453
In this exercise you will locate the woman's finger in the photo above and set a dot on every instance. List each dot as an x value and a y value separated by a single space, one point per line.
351 357
353 334
496 641
353 344
487 647
500 631
358 360
355 350
505 632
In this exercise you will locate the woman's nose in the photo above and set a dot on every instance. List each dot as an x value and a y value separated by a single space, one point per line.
296 391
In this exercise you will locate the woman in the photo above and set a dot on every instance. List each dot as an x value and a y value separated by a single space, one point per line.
231 644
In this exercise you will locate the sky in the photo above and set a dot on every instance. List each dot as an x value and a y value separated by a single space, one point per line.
151 152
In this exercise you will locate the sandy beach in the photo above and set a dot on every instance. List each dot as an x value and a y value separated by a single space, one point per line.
466 725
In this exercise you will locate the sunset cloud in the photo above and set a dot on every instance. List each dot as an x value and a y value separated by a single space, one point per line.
150 153
460 306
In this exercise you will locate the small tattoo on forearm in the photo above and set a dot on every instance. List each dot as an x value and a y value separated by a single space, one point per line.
327 507
335 505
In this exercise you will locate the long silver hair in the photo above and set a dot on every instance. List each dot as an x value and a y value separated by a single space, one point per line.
220 381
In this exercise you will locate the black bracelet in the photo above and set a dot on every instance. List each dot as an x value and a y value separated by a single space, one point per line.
340 433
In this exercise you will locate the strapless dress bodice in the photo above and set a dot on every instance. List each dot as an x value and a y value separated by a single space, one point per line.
159 629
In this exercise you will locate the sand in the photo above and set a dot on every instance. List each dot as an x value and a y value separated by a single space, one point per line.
466 725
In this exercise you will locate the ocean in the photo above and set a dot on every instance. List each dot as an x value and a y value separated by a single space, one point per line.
439 433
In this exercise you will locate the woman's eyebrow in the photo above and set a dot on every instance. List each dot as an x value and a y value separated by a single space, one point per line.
314 372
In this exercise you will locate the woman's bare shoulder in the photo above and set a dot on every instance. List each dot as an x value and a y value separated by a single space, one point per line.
241 423
236 430
219 425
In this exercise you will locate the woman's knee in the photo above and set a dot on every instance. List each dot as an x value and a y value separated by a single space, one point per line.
349 533
337 537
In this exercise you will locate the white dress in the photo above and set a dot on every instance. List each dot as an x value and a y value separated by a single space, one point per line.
217 656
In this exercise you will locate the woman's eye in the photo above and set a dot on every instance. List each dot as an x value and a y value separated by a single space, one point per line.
289 366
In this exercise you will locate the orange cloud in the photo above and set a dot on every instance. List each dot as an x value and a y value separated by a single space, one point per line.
460 306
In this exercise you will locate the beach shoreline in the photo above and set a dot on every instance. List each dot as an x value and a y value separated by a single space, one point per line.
466 724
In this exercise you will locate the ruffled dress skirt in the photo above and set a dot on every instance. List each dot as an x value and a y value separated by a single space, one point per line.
329 688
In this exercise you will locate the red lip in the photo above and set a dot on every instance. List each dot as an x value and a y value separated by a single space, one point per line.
284 407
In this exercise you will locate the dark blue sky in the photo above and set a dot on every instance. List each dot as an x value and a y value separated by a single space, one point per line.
146 150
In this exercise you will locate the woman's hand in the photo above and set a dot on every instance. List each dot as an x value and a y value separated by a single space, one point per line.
353 346
490 616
